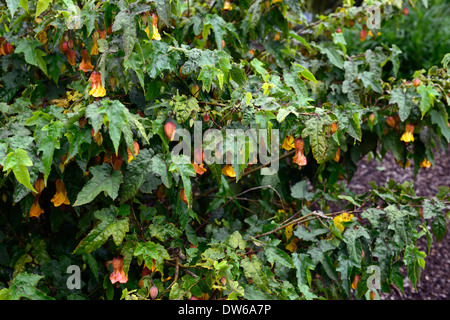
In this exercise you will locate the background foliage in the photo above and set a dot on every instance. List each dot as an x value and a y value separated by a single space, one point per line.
74 194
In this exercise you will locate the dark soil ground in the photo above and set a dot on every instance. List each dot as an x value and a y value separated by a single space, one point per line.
435 279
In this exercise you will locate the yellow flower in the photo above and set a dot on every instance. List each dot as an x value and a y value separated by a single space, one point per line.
344 217
36 210
228 171
275 1
227 5
408 135
292 245
337 156
60 196
94 50
288 143
97 87
425 163
156 34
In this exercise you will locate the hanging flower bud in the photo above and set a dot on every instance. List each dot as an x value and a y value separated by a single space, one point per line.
153 292
390 121
170 129
94 50
337 156
39 185
98 138
85 64
72 57
97 88
182 196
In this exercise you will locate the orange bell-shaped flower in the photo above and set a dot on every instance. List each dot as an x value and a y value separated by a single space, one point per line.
131 156
155 35
97 87
36 210
71 57
60 196
85 64
118 274
408 135
299 157
229 171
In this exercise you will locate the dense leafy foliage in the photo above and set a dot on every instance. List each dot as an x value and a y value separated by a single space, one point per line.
88 177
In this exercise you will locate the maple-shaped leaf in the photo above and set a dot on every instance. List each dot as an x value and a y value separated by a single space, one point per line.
104 178
152 253
110 225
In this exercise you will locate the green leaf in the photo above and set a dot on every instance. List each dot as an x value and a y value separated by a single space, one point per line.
354 247
309 235
277 255
428 95
109 226
115 117
12 6
104 178
403 100
18 161
235 241
439 227
163 10
186 170
252 269
258 66
135 174
24 286
238 75
129 36
369 81
207 75
300 191
439 119
33 56
160 229
150 251
303 264
41 6
314 130
334 57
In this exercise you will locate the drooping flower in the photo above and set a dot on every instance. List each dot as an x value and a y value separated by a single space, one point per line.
71 57
337 156
343 217
94 50
118 274
229 171
425 163
356 281
60 196
182 196
85 64
390 121
155 35
408 135
288 143
299 157
97 87
227 5
36 210
136 152
39 185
